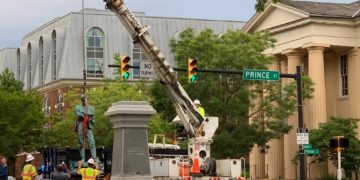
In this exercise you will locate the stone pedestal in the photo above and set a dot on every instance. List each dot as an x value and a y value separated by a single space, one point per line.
130 159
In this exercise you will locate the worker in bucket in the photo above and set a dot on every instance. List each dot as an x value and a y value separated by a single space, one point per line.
84 125
200 109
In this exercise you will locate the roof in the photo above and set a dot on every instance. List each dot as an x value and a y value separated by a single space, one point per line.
339 10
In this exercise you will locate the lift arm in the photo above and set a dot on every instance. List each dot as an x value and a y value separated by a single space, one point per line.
184 106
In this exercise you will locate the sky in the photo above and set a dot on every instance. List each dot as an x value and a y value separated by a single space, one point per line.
19 17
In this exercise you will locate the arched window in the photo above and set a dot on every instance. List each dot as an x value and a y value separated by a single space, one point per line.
46 106
95 53
60 105
29 65
18 65
41 61
54 55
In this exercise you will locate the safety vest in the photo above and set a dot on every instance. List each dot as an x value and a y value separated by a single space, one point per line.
28 172
88 173
201 111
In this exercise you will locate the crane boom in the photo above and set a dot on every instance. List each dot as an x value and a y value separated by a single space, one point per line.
189 116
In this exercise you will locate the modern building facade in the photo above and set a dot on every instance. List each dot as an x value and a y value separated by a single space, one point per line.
51 57
324 39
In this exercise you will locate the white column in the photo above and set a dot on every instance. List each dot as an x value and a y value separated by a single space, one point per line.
317 104
257 163
274 158
290 147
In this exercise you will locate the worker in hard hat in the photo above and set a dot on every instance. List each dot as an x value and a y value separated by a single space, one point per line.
200 109
29 171
90 172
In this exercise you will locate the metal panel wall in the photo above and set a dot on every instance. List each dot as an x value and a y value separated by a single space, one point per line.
70 40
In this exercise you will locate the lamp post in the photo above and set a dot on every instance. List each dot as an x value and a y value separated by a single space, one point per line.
84 48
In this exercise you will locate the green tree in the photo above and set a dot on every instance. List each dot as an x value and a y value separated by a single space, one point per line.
21 117
261 4
101 98
9 82
338 126
232 99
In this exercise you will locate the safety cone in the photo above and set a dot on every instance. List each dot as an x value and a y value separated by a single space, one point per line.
196 168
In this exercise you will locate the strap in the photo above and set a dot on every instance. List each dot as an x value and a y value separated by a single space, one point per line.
28 173
84 172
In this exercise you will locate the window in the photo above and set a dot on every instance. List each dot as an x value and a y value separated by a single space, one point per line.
138 55
18 63
60 105
29 65
95 53
46 106
53 66
344 75
41 63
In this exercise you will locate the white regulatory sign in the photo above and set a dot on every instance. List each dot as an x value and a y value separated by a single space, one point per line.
146 69
302 136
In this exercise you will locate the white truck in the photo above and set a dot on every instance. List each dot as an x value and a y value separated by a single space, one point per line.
198 130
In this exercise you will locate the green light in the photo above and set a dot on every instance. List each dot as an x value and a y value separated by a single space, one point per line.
194 78
126 75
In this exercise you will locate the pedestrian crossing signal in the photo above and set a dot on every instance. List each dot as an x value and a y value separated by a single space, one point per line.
192 70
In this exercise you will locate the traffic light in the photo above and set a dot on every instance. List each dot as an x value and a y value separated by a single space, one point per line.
339 142
192 69
124 67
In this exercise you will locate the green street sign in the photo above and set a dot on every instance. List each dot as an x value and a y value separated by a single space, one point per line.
307 146
254 74
312 151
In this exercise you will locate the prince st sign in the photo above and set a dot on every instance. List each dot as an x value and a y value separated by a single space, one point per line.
254 74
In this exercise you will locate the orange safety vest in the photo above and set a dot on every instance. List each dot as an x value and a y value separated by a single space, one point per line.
88 173
28 172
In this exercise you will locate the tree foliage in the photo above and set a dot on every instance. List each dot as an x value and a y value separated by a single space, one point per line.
101 98
261 4
338 126
228 96
21 117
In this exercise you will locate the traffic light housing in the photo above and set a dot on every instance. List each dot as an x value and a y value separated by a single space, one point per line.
339 143
192 70
125 67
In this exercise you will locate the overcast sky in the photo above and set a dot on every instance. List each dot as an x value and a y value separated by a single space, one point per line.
19 17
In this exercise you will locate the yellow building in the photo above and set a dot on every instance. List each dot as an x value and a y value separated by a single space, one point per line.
323 38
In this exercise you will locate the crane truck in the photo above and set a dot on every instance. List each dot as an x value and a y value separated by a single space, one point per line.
198 130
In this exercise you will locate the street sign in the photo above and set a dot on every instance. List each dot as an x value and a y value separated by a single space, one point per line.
307 146
147 69
312 151
254 74
302 130
302 136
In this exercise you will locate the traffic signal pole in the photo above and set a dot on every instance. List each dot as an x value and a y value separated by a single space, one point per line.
300 121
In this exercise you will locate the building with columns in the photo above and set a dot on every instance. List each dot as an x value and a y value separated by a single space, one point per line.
323 38
51 58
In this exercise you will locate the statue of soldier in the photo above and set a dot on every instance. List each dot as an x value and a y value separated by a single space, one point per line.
85 116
